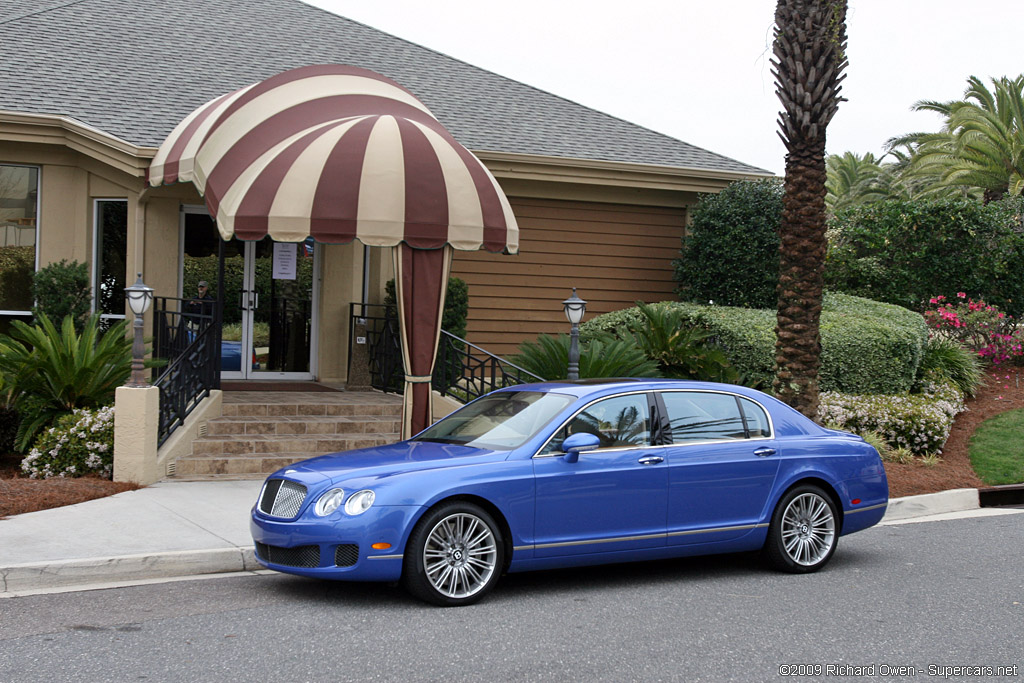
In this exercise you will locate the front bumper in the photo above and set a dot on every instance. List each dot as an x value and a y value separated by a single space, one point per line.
314 543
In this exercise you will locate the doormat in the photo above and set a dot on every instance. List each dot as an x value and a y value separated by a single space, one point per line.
239 385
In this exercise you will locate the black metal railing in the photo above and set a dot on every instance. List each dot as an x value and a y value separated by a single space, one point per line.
186 335
462 371
383 344
465 371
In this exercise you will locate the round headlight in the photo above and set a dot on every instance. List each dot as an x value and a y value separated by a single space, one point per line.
329 502
359 502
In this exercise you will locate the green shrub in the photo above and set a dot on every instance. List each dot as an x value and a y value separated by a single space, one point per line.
730 254
907 252
917 422
9 420
456 305
51 372
17 266
80 442
548 357
867 346
681 351
63 289
950 360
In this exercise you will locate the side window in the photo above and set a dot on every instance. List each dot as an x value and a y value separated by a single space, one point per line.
698 416
757 421
619 422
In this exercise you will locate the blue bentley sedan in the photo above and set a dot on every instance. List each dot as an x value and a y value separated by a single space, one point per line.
563 474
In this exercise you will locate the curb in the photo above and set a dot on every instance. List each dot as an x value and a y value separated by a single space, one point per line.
954 500
66 574
81 574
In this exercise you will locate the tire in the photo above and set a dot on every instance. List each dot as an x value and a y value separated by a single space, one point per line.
804 531
454 556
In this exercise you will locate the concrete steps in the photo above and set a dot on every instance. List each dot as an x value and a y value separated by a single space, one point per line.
260 432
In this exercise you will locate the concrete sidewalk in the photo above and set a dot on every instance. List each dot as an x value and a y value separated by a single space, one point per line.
177 529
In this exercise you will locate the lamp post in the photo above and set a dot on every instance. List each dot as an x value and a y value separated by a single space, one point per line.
139 297
574 308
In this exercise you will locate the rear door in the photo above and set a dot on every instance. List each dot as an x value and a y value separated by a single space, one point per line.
722 465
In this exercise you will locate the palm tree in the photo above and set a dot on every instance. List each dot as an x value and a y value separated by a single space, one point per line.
981 144
852 180
809 57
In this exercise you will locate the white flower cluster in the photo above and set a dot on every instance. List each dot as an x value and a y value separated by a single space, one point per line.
81 442
918 422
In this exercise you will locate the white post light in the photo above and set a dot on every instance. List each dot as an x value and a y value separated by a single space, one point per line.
574 308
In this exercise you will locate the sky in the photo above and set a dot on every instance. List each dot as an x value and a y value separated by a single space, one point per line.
700 71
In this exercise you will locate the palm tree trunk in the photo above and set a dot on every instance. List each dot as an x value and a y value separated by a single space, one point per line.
809 57
801 267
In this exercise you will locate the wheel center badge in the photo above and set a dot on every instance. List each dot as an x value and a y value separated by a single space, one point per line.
457 556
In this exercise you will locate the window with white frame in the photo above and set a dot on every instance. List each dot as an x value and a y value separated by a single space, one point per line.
19 211
110 240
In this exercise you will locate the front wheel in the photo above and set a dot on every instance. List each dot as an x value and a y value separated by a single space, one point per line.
454 555
803 532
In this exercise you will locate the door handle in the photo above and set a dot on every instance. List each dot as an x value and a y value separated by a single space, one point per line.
243 298
764 452
254 302
651 460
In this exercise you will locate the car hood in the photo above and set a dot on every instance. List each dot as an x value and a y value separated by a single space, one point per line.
383 461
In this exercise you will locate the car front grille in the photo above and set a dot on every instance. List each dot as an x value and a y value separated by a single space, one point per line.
346 555
282 498
307 556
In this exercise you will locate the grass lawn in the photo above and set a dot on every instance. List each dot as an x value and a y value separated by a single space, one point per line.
996 452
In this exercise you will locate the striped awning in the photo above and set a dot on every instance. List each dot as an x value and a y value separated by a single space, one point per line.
337 153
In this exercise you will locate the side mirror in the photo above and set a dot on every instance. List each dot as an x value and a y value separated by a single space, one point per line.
578 443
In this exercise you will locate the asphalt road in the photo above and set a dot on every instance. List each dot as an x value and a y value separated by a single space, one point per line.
935 594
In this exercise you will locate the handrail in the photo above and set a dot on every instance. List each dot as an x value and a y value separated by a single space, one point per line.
462 371
187 335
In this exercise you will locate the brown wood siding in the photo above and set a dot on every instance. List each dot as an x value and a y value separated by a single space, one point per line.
613 254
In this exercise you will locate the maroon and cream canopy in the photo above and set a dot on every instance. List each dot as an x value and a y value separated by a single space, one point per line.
337 153
341 153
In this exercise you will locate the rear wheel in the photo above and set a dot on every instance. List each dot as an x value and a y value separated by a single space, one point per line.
803 532
454 555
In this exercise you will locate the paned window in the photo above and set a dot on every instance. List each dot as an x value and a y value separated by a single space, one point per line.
111 225
19 210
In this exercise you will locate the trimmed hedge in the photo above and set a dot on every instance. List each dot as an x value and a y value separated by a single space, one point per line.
905 252
867 347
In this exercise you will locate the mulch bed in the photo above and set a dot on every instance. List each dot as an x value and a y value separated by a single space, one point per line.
1004 390
18 494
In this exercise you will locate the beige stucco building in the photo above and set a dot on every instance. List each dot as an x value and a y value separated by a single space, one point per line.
601 203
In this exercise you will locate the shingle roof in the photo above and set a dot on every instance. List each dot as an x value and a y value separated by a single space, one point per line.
135 69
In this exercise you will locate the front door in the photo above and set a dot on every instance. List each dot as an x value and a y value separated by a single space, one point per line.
269 316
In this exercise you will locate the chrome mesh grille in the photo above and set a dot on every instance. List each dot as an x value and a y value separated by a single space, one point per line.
346 555
307 556
282 498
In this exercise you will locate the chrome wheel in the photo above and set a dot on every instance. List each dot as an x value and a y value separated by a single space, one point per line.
460 555
808 529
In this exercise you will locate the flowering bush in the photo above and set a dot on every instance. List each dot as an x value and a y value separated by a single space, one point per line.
79 443
979 326
917 422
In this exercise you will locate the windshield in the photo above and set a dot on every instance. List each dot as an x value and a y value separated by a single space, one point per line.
501 421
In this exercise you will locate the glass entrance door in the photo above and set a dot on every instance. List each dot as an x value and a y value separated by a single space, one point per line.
269 316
